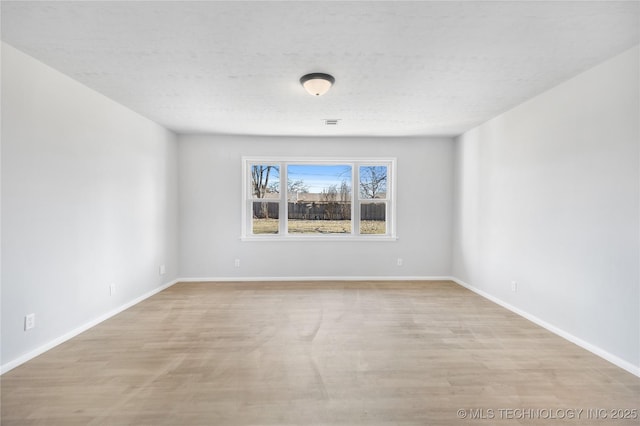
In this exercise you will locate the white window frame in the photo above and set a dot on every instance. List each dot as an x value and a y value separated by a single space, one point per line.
356 201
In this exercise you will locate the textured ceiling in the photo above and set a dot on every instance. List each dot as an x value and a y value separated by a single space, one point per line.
401 68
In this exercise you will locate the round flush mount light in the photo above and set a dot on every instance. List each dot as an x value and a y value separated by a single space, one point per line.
317 83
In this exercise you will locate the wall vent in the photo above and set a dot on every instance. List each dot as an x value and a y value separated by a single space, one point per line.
331 121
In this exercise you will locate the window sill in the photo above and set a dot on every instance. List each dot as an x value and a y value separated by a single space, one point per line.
332 238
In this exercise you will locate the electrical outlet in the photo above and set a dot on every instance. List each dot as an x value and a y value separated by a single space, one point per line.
237 263
112 289
399 261
162 270
29 322
514 286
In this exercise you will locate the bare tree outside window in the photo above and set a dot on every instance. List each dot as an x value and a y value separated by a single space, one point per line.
297 187
293 187
329 197
345 200
373 186
260 184
373 182
265 181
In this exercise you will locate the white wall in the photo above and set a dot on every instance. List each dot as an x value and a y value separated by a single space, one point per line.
547 194
89 197
211 202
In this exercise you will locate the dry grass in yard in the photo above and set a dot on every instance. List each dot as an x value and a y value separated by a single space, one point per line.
319 226
265 226
270 226
373 227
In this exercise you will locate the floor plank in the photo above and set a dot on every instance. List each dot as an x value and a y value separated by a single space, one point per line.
317 353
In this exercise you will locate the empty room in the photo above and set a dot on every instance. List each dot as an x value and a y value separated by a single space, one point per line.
320 212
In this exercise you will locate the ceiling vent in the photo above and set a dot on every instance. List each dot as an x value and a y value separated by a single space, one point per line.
331 121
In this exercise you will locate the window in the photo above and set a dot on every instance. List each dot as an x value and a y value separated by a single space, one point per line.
306 198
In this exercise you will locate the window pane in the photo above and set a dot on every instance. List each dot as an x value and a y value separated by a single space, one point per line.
265 181
319 199
373 182
265 217
373 218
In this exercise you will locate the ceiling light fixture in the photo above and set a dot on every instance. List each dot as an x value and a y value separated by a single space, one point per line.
317 84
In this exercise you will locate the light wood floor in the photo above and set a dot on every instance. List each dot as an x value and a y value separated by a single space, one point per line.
334 353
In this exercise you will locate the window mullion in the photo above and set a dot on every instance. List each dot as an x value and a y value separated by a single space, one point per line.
355 197
284 200
389 218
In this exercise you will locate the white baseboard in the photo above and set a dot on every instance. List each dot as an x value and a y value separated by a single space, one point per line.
619 362
316 278
69 335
